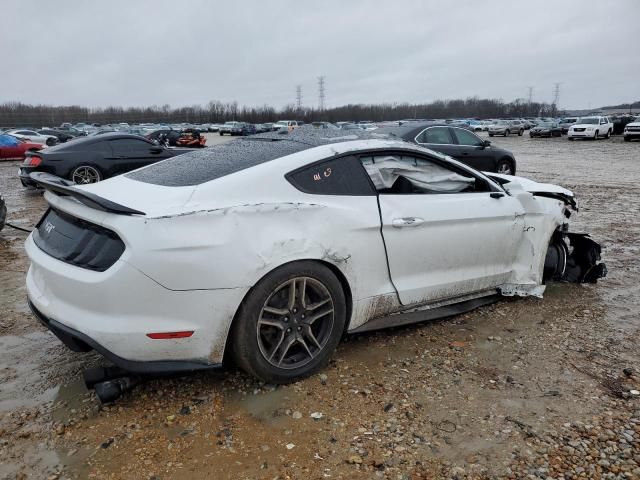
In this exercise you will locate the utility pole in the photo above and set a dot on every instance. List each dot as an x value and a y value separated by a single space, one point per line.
321 93
299 97
530 99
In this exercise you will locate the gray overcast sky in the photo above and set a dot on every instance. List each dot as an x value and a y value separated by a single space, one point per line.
189 52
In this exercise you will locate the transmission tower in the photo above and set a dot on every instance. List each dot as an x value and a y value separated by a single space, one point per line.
556 94
321 93
299 97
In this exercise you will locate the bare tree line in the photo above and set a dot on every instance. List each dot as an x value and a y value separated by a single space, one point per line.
19 114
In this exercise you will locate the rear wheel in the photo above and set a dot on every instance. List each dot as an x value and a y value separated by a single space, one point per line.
505 167
85 174
608 134
289 323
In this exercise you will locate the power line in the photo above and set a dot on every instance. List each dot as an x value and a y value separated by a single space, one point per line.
321 92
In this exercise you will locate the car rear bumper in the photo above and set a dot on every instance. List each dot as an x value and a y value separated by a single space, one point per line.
114 311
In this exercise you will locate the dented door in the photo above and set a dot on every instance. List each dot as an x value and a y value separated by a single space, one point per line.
445 245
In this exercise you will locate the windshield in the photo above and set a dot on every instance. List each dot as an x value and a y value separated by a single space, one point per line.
501 122
545 125
589 120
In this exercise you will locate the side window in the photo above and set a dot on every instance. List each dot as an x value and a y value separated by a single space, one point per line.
129 146
465 137
399 174
102 147
338 176
435 135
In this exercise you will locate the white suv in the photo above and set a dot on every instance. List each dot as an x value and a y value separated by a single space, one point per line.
632 130
591 127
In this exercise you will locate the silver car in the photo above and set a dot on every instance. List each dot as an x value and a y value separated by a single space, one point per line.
506 127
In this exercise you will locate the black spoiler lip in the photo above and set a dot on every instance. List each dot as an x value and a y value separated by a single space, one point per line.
64 187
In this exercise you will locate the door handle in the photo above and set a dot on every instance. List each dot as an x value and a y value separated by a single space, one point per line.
407 222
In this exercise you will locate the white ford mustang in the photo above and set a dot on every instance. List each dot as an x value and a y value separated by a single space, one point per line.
271 248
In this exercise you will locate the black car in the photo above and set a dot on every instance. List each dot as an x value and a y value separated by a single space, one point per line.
61 136
457 142
91 159
546 129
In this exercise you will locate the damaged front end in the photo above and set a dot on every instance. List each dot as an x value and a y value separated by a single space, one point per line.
573 257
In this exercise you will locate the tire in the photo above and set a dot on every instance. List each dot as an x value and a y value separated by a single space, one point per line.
627 139
520 132
596 135
51 142
505 166
221 134
570 139
259 336
507 133
85 174
491 134
608 134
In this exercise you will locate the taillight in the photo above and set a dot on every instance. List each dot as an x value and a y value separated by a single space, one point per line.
33 160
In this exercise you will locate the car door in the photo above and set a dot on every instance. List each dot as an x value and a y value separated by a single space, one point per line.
446 245
132 153
10 147
439 139
472 150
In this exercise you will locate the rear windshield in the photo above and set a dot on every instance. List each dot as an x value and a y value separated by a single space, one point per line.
202 166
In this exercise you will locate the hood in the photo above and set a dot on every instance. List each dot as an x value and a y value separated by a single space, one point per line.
632 124
512 182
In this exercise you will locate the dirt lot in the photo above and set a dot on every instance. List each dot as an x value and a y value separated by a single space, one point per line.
520 389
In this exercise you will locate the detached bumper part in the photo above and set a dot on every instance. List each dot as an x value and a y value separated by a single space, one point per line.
576 262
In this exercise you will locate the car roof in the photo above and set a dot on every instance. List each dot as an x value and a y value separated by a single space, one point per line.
409 130
210 163
82 141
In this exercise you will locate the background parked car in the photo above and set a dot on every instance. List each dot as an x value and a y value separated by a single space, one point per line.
591 127
632 130
34 136
565 123
94 158
171 136
61 136
230 128
506 127
14 148
546 129
459 143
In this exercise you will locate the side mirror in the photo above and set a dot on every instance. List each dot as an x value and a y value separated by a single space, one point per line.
485 143
156 149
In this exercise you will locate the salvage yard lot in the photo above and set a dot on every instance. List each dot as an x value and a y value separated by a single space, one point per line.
521 387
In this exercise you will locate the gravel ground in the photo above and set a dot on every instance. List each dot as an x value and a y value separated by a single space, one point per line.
523 388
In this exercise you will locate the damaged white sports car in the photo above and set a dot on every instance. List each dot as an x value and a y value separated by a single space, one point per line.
270 248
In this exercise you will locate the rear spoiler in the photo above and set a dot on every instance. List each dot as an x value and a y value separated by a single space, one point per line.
64 187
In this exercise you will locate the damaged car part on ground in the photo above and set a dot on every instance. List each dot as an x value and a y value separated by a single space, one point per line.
270 248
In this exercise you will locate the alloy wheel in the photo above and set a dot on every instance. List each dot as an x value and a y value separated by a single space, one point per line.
295 323
85 174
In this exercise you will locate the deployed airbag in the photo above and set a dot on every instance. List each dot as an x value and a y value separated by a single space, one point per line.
423 175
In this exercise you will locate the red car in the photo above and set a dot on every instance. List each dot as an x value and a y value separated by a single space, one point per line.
13 148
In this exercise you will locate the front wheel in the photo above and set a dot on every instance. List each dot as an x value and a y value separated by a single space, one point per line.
289 323
85 174
51 142
627 139
491 134
505 167
506 133
596 136
520 133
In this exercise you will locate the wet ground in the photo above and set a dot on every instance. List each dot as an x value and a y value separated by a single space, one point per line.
519 389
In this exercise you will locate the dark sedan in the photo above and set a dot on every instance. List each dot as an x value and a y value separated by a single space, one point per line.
546 129
458 143
60 135
170 136
91 159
